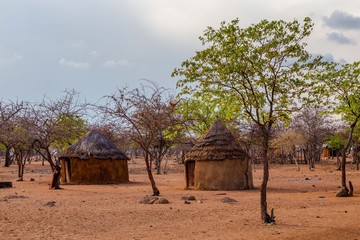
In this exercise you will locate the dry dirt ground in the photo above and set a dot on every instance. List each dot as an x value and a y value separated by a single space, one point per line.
304 202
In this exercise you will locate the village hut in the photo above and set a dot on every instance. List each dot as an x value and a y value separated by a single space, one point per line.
94 159
218 162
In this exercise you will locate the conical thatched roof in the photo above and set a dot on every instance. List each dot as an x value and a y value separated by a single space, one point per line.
95 145
216 145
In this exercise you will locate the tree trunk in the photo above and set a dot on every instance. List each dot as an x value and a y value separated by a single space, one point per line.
338 162
297 164
7 157
20 172
351 191
38 147
19 160
343 170
263 191
158 164
263 194
343 163
159 153
305 156
156 191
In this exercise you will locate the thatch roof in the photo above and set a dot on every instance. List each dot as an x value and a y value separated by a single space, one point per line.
95 145
216 145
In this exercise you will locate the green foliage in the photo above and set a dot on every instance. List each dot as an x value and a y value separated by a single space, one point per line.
200 112
68 128
2 147
336 141
341 89
260 69
340 85
356 134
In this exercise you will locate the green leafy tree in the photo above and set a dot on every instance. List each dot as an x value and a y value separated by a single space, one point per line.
73 125
356 147
258 68
336 142
340 87
199 112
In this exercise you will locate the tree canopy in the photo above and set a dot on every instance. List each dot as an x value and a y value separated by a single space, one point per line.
259 68
338 85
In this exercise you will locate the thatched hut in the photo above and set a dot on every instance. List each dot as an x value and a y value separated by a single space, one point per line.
94 159
218 162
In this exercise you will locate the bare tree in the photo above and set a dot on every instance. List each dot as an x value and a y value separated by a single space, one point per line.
22 138
7 113
285 144
315 127
57 122
148 117
16 135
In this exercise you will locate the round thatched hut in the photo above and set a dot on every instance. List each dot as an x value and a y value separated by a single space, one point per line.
94 159
218 162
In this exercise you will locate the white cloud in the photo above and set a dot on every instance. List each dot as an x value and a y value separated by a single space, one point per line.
10 60
79 45
72 64
118 63
95 53
182 21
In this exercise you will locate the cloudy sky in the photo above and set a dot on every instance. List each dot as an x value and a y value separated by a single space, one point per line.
96 46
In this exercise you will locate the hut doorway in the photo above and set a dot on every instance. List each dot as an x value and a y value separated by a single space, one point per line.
190 173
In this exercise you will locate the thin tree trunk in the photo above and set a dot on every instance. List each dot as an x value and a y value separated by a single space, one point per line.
7 157
20 176
343 170
263 191
19 160
297 164
158 164
305 156
47 155
22 167
263 194
156 191
49 159
343 163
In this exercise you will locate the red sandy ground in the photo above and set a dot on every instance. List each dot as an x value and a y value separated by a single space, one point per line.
304 209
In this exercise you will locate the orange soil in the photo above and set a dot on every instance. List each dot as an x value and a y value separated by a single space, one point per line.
304 209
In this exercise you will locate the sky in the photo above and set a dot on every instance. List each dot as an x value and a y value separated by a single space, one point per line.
97 46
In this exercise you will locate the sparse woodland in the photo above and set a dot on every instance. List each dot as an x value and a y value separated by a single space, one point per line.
283 104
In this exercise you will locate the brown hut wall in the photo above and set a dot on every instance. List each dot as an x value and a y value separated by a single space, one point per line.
98 171
325 153
63 171
223 175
